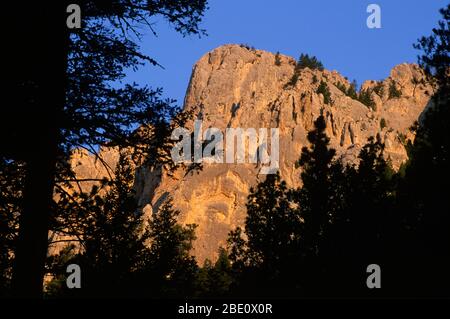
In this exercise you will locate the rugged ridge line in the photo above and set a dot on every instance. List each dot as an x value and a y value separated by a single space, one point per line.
236 86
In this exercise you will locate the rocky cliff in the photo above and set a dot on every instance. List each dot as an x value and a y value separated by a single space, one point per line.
236 86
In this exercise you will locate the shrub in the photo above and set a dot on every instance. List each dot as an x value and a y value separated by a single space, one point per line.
365 97
383 123
351 91
305 61
323 88
277 59
295 77
248 47
342 87
393 91
379 89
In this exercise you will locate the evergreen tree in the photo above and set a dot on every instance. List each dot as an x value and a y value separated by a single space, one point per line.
111 234
119 254
379 89
12 174
341 87
172 269
314 196
423 194
319 201
393 91
67 99
362 226
267 260
382 123
305 61
365 97
215 281
323 89
351 92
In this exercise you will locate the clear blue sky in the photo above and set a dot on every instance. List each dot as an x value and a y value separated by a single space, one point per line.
334 31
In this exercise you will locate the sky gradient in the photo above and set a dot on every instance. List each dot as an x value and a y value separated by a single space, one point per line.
334 31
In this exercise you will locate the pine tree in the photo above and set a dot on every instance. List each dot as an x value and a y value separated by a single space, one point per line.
341 87
320 201
362 227
323 89
111 234
69 97
215 281
365 97
120 254
382 123
314 196
393 91
351 92
172 269
269 255
305 61
12 174
423 193
379 89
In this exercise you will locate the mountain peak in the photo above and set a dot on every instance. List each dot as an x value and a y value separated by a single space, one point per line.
237 86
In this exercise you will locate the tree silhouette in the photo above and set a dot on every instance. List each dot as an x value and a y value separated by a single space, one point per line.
112 234
215 281
266 260
64 98
362 229
119 254
305 61
312 241
325 91
314 197
172 269
11 177
365 97
393 91
423 192
351 92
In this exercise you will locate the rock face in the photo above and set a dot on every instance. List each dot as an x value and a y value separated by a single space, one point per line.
234 86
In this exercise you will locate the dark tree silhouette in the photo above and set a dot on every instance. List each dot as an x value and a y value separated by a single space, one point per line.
11 179
393 91
172 268
120 254
314 197
423 193
325 91
111 233
63 97
361 230
215 280
306 61
351 92
365 97
267 258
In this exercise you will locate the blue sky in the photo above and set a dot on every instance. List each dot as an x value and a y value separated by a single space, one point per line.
334 31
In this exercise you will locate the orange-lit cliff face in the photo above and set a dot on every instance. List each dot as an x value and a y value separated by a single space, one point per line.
234 86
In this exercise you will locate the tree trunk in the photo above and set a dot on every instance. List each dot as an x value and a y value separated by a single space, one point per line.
49 52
